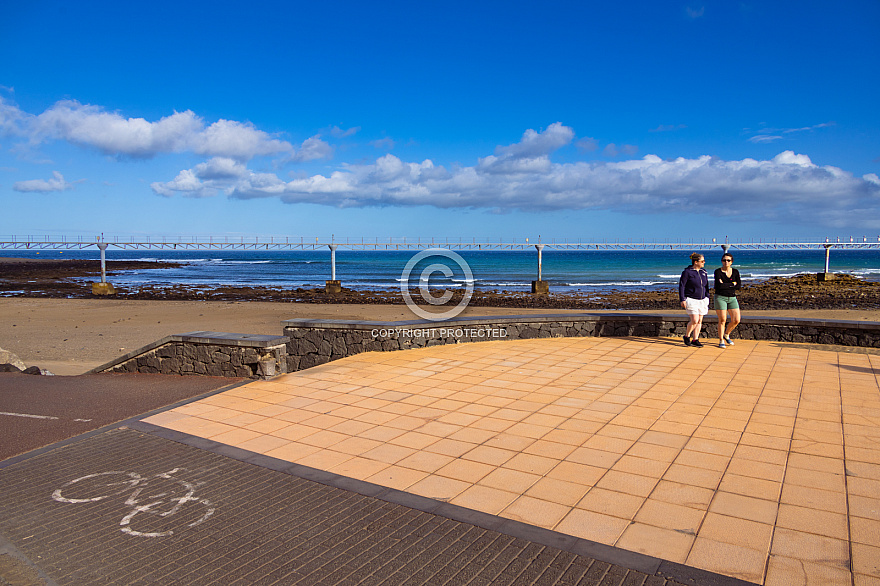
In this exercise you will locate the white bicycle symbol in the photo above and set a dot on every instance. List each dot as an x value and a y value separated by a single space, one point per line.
164 503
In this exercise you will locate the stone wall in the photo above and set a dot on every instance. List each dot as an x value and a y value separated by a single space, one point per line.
314 342
209 354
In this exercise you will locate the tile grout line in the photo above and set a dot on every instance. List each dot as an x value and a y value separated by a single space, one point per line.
849 535
784 470
632 520
721 478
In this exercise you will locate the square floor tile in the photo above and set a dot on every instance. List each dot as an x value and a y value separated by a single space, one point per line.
743 507
593 457
535 511
811 548
628 483
787 571
737 531
641 466
813 521
612 503
558 491
293 451
592 526
388 453
686 495
484 498
657 542
425 461
263 444
813 498
749 486
359 468
577 473
530 463
865 531
728 559
513 480
693 476
866 559
465 470
670 516
439 488
324 459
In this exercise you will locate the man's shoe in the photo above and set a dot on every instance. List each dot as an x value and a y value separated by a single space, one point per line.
696 343
687 340
728 340
722 345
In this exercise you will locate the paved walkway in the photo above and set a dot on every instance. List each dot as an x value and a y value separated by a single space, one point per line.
759 462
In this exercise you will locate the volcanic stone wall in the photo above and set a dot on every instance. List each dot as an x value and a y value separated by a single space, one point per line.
314 342
207 353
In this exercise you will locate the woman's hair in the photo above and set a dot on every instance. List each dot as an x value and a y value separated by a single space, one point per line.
728 255
695 257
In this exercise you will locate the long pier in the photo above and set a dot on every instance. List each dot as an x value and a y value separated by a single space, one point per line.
302 243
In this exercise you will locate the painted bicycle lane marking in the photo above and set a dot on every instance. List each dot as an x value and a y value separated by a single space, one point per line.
29 416
163 495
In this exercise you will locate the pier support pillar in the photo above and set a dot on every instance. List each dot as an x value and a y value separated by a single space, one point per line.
103 288
540 287
333 286
827 275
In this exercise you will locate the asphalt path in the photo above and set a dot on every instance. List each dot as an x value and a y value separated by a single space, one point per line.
36 411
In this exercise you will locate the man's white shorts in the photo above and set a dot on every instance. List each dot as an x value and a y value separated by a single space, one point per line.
696 306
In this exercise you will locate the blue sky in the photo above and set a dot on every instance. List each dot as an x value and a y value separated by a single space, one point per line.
572 120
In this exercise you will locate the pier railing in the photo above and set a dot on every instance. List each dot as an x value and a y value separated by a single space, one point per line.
304 243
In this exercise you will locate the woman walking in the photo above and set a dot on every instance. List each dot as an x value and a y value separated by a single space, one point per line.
727 281
693 292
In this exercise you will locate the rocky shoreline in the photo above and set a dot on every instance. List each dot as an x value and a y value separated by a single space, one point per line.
58 279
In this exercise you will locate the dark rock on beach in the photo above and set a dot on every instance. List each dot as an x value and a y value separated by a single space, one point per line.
56 278
53 278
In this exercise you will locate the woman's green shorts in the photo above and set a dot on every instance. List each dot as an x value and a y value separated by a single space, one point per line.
723 303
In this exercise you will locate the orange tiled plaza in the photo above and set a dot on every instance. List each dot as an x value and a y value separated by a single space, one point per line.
759 461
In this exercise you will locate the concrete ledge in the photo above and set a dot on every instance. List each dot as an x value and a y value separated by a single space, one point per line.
206 353
314 342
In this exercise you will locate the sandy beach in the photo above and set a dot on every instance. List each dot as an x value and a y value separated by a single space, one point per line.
71 336
53 321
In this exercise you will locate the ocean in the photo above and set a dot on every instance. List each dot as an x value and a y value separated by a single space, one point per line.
513 271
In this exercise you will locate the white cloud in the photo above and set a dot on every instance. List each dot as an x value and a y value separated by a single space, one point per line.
787 188
57 183
765 135
612 150
385 144
587 144
238 140
186 184
522 176
12 119
337 132
537 144
668 127
220 168
761 138
312 149
112 134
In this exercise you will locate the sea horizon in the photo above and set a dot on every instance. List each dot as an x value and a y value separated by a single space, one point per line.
567 271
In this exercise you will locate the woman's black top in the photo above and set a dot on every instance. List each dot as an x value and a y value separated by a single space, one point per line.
725 285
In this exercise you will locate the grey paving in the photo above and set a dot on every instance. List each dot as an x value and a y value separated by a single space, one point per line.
123 506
